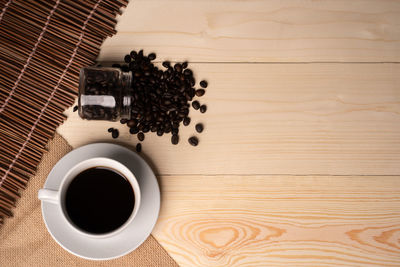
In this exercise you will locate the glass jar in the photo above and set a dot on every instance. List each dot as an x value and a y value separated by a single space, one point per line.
104 94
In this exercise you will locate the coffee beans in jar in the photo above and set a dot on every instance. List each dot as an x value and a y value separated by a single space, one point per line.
104 94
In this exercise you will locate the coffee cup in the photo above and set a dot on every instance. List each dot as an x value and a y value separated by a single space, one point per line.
98 197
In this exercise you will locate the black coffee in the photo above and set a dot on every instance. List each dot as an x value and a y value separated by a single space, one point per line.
99 200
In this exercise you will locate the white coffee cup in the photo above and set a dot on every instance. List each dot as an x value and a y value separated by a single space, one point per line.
57 197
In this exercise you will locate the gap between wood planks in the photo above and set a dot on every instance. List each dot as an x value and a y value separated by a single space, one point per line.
109 63
278 174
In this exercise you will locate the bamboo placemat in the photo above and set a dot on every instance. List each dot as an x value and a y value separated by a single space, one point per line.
43 44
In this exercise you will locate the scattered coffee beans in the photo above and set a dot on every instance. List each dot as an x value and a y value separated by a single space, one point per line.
115 133
175 131
127 58
193 141
178 67
199 127
204 84
152 56
134 130
140 136
161 97
196 105
200 92
203 108
188 72
131 123
166 64
139 147
175 139
186 121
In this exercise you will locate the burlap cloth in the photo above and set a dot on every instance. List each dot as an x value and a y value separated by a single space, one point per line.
24 240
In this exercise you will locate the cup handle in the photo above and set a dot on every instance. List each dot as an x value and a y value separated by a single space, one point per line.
48 195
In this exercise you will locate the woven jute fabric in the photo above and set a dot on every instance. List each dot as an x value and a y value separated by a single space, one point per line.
25 241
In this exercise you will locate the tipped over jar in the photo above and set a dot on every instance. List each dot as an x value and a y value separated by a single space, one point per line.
105 93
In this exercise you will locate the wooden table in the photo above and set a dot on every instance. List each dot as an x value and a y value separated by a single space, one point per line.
299 163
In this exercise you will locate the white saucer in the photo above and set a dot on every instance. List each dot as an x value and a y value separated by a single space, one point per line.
129 238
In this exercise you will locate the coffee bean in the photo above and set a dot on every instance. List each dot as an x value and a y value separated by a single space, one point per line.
185 65
140 136
178 67
204 84
134 130
160 132
192 93
110 130
140 54
199 127
203 108
188 72
152 56
166 64
127 58
175 139
131 123
175 131
200 92
186 121
192 81
196 105
75 109
139 147
146 129
115 133
133 54
193 141
123 121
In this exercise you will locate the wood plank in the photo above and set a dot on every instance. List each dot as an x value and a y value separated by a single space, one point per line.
280 220
259 31
341 119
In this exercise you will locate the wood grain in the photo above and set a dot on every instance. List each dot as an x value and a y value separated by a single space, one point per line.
260 31
223 203
280 220
341 119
